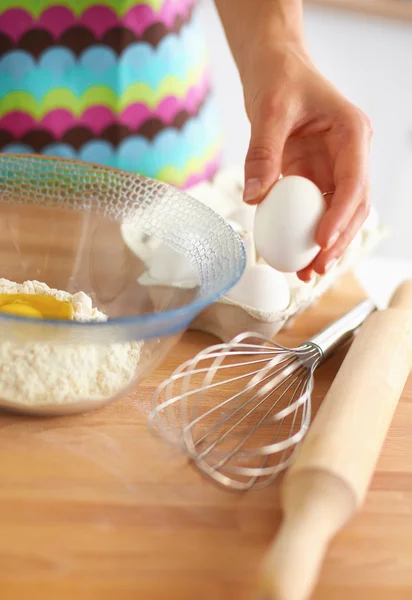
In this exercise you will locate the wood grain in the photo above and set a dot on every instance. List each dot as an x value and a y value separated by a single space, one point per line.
394 9
96 507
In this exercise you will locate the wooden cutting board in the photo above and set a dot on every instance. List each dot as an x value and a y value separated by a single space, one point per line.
96 507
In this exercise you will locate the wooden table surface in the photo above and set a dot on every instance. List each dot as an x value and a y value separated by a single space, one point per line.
95 507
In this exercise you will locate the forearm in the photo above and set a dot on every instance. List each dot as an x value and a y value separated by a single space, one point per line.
278 23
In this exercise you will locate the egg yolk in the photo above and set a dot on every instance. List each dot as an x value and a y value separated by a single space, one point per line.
35 306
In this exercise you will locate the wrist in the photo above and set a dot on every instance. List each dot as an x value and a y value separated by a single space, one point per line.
268 27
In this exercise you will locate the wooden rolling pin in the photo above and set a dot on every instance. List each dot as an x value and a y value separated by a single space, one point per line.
330 477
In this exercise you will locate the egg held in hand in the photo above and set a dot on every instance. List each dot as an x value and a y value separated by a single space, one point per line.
286 222
262 288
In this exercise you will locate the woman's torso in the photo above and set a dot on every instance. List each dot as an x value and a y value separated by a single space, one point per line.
116 82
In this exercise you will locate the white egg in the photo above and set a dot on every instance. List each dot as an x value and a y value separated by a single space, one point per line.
286 222
263 288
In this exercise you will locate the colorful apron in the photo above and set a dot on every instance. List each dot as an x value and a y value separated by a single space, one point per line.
123 83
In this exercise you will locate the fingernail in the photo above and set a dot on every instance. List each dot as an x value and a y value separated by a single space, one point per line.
308 277
332 240
252 189
329 265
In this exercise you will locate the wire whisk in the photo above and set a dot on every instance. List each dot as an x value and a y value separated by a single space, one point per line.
240 410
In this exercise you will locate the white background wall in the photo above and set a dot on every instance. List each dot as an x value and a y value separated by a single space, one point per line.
370 60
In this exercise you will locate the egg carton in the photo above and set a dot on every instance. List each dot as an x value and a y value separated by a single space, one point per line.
227 318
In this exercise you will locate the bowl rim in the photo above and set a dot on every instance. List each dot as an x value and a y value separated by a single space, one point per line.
167 322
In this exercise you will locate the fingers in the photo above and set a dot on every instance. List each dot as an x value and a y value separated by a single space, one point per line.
351 177
306 274
346 143
263 164
326 259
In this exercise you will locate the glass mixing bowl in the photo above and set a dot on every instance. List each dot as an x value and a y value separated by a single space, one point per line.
149 256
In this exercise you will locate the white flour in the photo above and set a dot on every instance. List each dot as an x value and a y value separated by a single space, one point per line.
36 373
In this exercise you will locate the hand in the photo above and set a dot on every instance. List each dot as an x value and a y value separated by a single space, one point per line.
301 125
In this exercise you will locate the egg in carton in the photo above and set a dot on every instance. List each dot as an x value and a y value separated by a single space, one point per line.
264 300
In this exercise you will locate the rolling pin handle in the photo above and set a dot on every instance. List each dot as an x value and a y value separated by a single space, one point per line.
329 478
316 506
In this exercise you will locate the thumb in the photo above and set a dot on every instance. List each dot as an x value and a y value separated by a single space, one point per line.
264 157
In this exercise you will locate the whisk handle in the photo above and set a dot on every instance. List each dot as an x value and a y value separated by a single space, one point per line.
341 331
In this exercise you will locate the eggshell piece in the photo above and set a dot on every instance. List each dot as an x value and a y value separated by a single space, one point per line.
167 264
244 215
286 222
263 288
